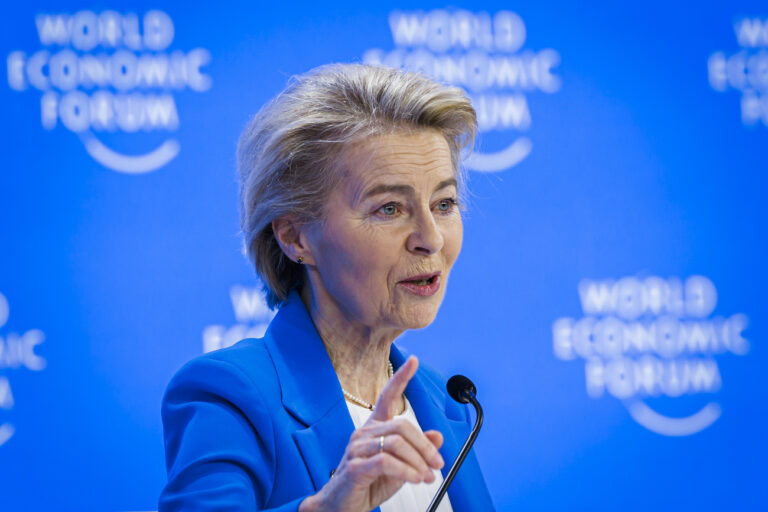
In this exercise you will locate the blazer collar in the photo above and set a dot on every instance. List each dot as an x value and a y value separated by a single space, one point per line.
311 393
309 385
423 394
429 402
310 389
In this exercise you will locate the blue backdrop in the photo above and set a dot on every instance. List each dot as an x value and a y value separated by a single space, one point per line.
609 301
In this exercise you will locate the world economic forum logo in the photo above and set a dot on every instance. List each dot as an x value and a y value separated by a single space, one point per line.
745 70
107 72
484 54
17 353
652 340
252 317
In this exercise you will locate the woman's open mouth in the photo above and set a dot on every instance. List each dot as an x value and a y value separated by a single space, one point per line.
424 285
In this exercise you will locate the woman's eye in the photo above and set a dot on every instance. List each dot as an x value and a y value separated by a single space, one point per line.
389 209
446 205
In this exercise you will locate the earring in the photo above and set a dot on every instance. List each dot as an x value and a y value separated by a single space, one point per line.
299 260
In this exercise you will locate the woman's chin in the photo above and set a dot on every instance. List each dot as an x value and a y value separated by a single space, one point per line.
418 316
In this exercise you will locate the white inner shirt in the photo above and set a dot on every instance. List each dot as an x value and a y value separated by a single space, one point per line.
410 497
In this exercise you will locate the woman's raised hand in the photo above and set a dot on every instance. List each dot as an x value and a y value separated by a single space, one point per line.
381 455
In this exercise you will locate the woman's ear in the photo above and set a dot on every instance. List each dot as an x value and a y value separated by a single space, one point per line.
289 233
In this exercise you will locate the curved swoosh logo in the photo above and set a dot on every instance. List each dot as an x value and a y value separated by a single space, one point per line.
6 431
137 164
501 160
667 426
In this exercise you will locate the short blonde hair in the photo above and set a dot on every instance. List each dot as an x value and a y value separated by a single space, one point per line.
287 154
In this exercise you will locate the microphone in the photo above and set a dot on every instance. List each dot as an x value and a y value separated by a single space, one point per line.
463 391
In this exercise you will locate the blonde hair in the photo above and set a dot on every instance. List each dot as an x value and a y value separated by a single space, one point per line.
287 155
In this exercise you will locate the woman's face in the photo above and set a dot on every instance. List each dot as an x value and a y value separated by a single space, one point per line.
392 232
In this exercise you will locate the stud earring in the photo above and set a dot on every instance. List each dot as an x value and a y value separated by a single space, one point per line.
299 260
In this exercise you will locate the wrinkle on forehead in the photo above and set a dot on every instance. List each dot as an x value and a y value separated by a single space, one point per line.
399 154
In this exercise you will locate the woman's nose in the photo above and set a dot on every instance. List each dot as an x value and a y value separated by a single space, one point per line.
425 238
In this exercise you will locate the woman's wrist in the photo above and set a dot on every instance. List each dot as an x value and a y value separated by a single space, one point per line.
310 504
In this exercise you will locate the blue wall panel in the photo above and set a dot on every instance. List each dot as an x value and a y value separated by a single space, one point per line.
609 300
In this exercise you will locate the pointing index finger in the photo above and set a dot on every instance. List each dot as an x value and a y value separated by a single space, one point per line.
390 396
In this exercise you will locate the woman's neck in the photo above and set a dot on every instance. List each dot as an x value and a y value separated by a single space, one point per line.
359 354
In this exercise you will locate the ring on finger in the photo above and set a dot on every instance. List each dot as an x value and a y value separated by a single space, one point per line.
381 444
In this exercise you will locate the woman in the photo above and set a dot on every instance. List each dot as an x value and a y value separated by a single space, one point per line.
349 186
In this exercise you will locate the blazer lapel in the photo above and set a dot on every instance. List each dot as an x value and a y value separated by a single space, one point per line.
429 403
311 393
310 389
321 444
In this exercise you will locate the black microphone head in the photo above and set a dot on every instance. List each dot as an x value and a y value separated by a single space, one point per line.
460 387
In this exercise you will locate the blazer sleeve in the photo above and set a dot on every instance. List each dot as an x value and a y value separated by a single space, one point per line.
219 441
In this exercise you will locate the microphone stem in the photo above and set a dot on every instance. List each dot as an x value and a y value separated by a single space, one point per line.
462 454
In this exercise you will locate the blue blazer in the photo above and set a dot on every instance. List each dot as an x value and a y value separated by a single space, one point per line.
261 425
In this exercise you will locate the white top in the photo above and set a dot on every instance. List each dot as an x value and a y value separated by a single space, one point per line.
410 497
